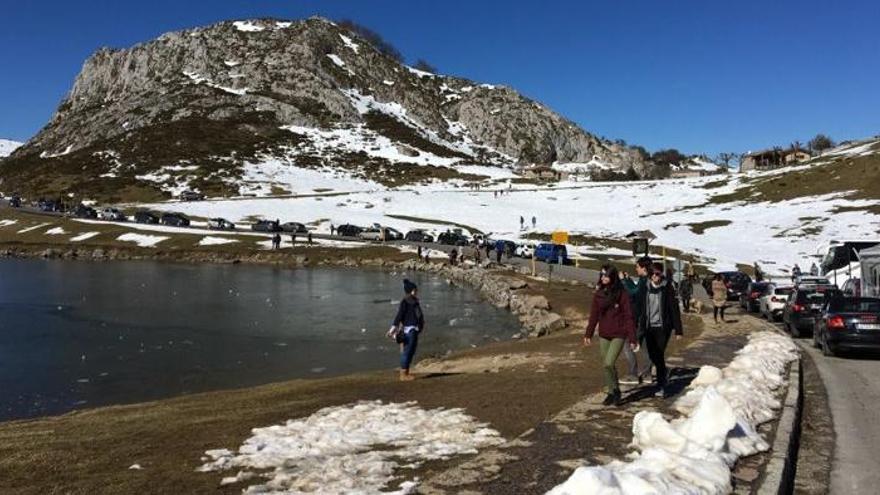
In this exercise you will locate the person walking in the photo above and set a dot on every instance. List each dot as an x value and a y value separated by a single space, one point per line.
276 241
686 291
419 253
611 312
453 256
499 250
661 317
719 297
814 270
408 324
534 221
332 229
478 255
522 223
637 374
293 239
309 238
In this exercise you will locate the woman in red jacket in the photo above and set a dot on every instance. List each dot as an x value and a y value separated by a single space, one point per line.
611 311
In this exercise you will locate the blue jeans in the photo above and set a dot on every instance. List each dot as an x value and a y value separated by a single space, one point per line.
410 342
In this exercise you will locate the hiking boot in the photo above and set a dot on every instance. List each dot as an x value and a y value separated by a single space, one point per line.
631 380
612 399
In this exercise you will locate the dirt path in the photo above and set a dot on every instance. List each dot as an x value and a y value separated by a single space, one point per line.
587 433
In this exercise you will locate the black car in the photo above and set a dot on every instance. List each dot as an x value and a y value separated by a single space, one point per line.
848 323
266 226
348 230
191 196
15 202
83 211
144 216
736 282
803 308
220 224
175 220
749 298
452 239
418 236
294 228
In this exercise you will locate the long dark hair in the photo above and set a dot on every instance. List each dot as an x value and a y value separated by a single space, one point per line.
611 291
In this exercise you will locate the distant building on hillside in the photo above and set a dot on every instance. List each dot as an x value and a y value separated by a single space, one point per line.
772 158
541 172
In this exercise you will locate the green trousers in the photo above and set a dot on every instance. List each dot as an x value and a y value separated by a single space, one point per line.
610 350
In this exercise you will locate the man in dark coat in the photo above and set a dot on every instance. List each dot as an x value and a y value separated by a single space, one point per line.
658 317
408 323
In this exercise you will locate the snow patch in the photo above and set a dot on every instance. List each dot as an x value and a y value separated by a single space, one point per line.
350 449
7 147
35 227
141 240
215 241
349 43
56 231
248 26
6 223
84 236
336 60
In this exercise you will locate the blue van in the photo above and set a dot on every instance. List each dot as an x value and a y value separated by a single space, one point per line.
551 253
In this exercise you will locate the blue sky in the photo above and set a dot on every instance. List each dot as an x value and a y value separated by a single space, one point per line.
702 77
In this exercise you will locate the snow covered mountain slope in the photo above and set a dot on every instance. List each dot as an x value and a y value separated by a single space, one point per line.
191 107
7 147
776 217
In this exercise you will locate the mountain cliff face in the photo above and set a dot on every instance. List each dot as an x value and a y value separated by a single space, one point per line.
196 108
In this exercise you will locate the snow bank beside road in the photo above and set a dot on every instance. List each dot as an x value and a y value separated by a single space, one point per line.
351 449
695 453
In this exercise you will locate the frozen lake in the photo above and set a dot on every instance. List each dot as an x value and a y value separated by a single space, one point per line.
80 334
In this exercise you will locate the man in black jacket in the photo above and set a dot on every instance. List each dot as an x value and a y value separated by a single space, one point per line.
658 317
408 324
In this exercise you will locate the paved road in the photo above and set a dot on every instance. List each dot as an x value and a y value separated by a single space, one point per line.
854 397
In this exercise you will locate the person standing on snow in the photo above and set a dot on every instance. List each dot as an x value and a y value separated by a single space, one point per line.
661 317
636 374
522 223
408 324
611 312
814 270
719 297
534 221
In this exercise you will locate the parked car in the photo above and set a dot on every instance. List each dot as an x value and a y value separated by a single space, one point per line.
772 303
525 250
393 234
15 202
112 214
348 230
371 234
294 228
452 238
749 298
83 211
811 280
852 287
551 253
144 216
220 224
848 323
191 196
266 226
418 236
736 282
802 308
174 220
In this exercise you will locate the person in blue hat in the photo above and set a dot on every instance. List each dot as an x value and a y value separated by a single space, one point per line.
406 327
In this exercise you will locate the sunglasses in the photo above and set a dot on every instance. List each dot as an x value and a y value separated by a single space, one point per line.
657 274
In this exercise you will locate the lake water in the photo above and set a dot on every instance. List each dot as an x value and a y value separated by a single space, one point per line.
80 334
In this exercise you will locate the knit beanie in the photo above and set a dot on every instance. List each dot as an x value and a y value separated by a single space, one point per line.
408 286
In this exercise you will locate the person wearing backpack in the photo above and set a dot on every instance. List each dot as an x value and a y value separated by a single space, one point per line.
611 312
406 327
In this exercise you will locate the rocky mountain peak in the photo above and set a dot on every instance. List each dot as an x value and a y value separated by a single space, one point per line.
310 93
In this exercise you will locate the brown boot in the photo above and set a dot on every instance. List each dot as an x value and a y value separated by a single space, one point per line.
405 376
